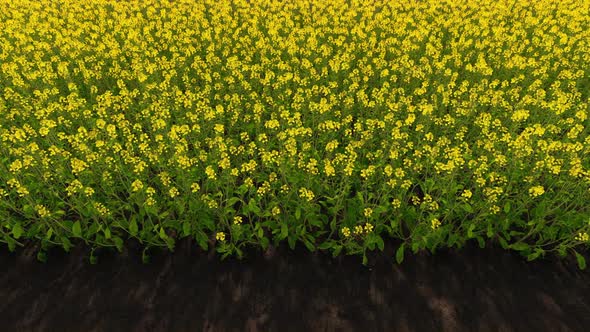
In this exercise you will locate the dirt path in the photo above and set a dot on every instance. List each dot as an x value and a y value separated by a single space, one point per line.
472 290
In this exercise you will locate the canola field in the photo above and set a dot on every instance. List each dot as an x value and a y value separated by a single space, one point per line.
334 125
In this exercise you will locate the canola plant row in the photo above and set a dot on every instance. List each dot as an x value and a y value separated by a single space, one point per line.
334 125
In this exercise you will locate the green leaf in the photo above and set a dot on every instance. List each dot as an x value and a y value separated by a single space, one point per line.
264 242
186 228
507 207
107 233
253 207
308 244
379 242
93 260
415 247
260 233
393 223
145 257
170 243
467 208
77 229
11 243
337 250
490 232
42 256
292 242
201 239
399 255
535 255
133 226
298 213
503 242
118 243
284 231
17 231
326 245
365 260
470 230
163 234
519 246
481 241
581 261
66 244
232 200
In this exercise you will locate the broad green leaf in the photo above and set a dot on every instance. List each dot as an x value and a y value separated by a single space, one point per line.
519 246
42 256
186 228
490 232
379 242
309 245
17 231
470 230
253 207
581 261
77 229
232 201
399 255
118 243
284 231
133 227
481 241
260 233
163 234
201 239
66 244
467 208
264 242
507 207
107 233
292 242
503 242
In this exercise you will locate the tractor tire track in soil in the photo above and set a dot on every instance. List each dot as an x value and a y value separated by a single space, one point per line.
469 289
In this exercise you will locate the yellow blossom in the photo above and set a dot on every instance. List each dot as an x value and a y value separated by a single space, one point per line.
345 231
536 191
220 236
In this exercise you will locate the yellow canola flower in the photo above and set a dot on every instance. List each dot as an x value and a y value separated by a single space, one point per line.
467 194
345 231
306 193
238 220
42 211
358 229
220 236
136 186
536 191
435 223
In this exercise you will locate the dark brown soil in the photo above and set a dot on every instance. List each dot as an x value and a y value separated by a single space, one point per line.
472 289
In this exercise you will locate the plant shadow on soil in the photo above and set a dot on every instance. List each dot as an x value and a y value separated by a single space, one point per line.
469 289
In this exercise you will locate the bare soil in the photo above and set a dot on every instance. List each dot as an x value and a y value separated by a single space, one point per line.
470 289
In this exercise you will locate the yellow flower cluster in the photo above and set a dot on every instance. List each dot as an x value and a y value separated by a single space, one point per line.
435 223
536 191
583 237
306 194
220 236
